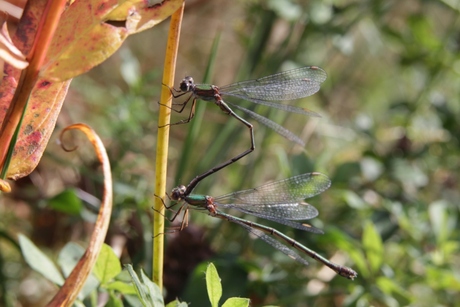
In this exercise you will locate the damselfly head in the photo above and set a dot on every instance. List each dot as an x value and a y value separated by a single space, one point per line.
178 193
187 84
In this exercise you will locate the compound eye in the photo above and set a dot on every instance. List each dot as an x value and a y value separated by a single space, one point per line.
174 195
178 192
184 86
187 84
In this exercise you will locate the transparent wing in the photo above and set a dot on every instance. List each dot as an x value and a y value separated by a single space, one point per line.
272 125
290 190
285 215
279 200
286 85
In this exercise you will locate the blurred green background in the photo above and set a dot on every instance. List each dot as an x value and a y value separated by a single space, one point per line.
388 138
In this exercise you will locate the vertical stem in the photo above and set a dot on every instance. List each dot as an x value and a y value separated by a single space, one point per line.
162 144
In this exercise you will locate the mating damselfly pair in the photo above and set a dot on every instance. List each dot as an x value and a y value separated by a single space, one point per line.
280 201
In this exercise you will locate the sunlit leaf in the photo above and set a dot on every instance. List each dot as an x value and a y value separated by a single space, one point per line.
121 287
88 33
213 285
38 124
92 30
107 265
372 244
438 217
236 302
439 278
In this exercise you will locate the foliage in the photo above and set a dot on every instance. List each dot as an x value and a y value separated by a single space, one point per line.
106 277
60 43
388 139
215 290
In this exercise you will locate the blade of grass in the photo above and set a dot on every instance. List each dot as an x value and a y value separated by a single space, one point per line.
162 145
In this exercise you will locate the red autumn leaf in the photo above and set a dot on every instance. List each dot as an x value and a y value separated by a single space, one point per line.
91 31
88 32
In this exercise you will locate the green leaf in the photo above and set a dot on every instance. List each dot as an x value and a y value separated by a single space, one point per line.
107 265
422 30
153 290
121 287
354 200
66 202
236 302
176 303
114 301
346 244
133 301
439 220
137 284
39 262
438 278
373 247
213 285
147 291
390 287
68 259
